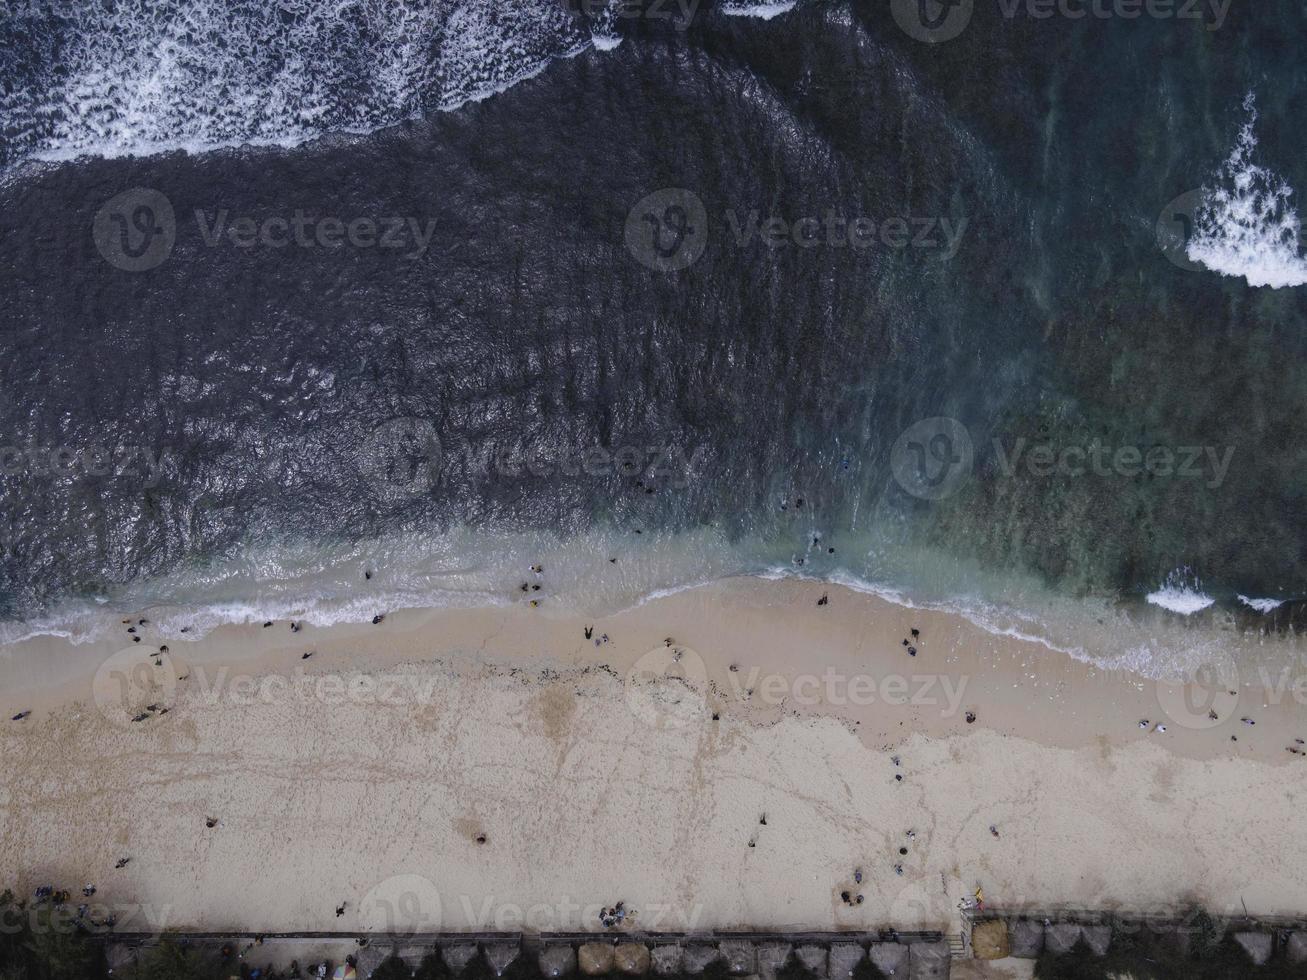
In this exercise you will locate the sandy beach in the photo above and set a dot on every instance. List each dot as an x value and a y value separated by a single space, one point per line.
728 757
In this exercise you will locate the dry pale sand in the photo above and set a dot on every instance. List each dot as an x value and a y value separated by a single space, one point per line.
494 769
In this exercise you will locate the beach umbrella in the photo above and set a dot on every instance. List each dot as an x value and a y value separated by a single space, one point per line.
345 972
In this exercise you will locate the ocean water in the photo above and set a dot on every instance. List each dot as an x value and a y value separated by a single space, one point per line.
318 308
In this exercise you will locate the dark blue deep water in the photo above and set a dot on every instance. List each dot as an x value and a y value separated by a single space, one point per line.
1010 321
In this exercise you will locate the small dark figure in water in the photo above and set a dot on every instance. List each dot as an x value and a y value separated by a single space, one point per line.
481 838
525 587
186 629
367 574
267 624
163 649
131 629
136 639
377 619
763 820
294 627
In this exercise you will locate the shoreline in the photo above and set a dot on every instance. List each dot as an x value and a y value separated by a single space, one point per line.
377 763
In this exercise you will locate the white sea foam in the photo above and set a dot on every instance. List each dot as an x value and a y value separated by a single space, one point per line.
1180 594
1246 225
146 76
1261 605
766 11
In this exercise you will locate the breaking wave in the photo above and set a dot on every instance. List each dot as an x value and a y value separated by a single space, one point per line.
1247 225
